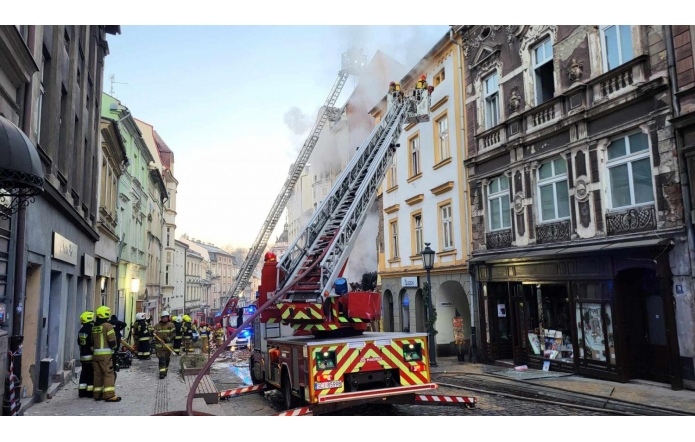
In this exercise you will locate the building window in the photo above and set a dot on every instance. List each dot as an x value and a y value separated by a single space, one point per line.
630 171
616 44
553 191
414 156
39 104
492 106
543 71
393 175
447 227
443 138
438 78
168 236
417 227
394 240
166 277
498 203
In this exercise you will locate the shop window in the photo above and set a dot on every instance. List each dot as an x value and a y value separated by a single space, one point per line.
595 332
552 190
630 171
549 322
616 45
543 71
498 203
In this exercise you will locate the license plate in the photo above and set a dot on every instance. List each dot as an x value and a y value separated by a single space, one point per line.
327 385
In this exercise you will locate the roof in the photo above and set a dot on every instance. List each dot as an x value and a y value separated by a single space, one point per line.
165 153
193 252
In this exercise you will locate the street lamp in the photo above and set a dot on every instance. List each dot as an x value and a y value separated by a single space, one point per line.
428 264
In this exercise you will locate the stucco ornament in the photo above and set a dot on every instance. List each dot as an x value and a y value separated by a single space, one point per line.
514 101
574 71
519 203
581 189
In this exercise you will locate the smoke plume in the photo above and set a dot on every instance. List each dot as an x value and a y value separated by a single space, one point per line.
297 121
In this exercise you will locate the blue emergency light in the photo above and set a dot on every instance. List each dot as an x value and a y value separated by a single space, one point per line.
245 333
251 309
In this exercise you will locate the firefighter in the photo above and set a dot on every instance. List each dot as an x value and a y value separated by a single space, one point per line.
219 336
422 82
165 330
143 336
204 336
178 335
104 337
187 334
392 87
84 340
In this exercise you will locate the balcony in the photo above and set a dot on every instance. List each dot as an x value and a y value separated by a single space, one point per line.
638 219
544 115
501 239
491 139
553 232
619 80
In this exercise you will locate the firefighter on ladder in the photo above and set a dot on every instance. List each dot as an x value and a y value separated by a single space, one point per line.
187 334
166 331
84 340
143 336
178 334
104 337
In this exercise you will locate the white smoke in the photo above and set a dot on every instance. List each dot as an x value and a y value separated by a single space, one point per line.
297 121
363 258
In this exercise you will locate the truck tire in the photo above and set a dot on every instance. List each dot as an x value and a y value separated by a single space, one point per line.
254 379
289 400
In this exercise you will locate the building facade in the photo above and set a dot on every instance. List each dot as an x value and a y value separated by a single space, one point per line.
113 159
423 201
50 83
195 285
578 239
177 301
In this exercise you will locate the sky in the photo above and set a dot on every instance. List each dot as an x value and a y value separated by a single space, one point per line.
218 96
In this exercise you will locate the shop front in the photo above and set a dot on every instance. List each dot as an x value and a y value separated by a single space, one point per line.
607 313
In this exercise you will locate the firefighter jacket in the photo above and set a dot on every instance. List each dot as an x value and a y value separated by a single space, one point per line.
187 330
178 327
85 341
165 330
219 333
141 329
104 337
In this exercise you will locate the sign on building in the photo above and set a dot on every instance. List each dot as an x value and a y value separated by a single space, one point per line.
64 249
409 281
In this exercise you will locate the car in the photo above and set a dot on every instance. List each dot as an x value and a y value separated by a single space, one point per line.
242 341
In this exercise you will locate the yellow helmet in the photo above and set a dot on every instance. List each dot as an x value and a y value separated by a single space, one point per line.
87 317
186 318
103 312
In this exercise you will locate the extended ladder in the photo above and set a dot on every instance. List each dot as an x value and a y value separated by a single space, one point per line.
327 112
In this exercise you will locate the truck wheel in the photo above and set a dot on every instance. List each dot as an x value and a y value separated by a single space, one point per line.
289 400
254 379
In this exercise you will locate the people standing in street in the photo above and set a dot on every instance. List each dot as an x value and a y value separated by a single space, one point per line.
178 334
84 340
118 326
187 334
219 336
104 337
143 336
205 336
165 330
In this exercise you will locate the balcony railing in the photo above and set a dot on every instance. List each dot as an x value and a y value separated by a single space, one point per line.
501 239
553 232
639 219
620 79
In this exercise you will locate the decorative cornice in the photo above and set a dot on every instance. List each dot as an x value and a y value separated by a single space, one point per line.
416 199
392 209
443 188
392 189
439 103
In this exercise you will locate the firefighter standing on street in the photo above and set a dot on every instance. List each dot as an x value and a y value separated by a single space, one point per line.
178 333
219 336
84 340
104 337
204 332
165 330
187 334
143 336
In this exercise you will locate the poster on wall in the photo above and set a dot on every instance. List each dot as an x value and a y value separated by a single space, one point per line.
535 343
501 311
458 330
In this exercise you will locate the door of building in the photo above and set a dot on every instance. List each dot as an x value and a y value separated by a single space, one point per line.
643 307
500 322
521 322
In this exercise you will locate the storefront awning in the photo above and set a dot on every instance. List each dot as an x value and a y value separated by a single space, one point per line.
560 251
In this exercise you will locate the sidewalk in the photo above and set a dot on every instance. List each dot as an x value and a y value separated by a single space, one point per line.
141 390
642 392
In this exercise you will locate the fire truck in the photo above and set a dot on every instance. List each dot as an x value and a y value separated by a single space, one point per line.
311 338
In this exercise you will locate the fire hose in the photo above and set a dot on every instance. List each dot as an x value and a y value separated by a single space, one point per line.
164 343
126 345
268 303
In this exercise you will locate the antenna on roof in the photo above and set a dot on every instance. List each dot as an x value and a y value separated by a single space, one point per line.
113 81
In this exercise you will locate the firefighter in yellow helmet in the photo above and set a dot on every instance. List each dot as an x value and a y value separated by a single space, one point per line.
166 331
178 334
422 82
84 340
104 337
187 334
219 335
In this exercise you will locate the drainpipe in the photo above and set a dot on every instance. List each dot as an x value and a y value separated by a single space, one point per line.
676 108
467 244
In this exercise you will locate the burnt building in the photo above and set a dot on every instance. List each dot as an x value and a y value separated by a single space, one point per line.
579 246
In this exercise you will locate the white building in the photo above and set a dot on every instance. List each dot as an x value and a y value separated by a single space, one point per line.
423 202
176 302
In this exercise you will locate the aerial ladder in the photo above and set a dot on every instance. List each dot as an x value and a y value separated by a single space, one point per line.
310 338
351 64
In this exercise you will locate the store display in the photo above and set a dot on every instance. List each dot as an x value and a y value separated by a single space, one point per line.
592 331
535 343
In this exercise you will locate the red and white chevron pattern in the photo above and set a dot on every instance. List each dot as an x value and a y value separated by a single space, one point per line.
237 391
303 411
445 399
14 404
